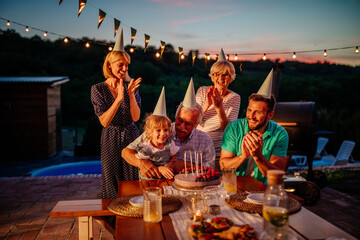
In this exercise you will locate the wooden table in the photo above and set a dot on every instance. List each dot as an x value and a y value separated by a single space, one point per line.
304 223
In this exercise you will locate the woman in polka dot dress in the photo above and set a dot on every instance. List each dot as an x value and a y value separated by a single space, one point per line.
117 104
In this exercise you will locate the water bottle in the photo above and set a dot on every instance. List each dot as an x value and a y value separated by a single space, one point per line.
275 208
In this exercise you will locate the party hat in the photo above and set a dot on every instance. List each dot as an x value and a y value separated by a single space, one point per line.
189 99
160 109
266 88
119 45
221 56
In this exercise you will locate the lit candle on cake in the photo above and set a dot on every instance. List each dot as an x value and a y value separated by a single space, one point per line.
196 163
201 166
192 170
185 163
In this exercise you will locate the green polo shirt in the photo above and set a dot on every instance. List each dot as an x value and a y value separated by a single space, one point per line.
275 142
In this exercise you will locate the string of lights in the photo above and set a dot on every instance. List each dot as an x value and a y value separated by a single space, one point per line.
206 55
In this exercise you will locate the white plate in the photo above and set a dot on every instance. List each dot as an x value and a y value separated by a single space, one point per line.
255 198
137 201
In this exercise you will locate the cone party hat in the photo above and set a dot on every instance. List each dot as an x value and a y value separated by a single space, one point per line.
189 99
119 45
221 56
160 108
266 88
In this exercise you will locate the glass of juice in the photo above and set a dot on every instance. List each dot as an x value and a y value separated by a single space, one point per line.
152 210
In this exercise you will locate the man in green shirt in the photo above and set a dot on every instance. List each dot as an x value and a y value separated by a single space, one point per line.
255 144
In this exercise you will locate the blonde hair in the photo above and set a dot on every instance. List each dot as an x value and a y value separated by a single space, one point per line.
153 122
112 57
223 67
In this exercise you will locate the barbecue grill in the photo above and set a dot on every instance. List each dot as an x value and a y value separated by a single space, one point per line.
300 122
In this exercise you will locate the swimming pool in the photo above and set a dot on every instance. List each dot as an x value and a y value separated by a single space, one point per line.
75 168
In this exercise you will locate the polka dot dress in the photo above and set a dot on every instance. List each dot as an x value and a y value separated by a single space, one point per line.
114 138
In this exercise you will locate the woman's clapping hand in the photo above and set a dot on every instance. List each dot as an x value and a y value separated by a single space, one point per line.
133 85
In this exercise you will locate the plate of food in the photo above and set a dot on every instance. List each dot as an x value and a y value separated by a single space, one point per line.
221 228
137 201
256 198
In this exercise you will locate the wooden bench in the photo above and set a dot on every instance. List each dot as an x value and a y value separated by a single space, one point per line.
84 210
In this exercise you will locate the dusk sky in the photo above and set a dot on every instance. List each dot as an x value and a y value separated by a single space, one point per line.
238 26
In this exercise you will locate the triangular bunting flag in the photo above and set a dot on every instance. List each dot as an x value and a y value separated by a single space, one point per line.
119 45
160 108
116 26
82 4
133 33
147 39
180 53
266 88
189 99
102 16
193 53
60 1
162 48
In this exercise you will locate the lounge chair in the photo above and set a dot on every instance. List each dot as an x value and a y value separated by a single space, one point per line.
300 160
321 143
342 156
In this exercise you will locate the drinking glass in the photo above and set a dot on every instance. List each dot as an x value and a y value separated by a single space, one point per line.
228 179
152 209
215 197
197 207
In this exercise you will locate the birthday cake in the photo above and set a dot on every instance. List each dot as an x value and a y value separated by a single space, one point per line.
189 179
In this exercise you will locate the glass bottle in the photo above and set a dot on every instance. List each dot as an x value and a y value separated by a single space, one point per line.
275 208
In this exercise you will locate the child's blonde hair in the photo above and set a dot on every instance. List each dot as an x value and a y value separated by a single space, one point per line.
155 122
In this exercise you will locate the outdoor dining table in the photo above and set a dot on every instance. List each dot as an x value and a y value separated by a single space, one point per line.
304 224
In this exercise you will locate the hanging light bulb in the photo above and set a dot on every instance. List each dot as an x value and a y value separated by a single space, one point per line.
325 53
227 57
45 34
87 45
182 56
8 23
217 57
157 54
208 57
110 48
26 29
294 55
66 40
131 50
264 57
357 50
236 57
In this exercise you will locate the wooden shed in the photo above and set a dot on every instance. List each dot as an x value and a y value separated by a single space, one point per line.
30 117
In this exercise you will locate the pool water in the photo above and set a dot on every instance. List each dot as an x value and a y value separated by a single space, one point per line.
75 168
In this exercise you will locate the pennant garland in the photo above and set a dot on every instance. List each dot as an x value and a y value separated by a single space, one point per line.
117 23
133 33
82 4
162 48
180 53
147 39
102 16
193 57
116 26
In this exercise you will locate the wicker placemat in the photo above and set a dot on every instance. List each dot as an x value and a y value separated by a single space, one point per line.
122 207
236 201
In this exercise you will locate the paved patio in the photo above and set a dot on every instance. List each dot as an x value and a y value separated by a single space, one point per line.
25 204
